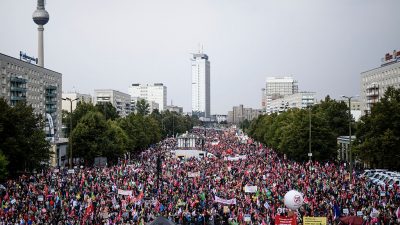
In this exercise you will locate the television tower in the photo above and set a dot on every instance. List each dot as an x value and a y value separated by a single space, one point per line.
40 17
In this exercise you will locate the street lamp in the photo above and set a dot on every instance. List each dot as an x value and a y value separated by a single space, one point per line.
350 117
70 129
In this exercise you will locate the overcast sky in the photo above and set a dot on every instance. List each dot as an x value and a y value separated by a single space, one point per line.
112 44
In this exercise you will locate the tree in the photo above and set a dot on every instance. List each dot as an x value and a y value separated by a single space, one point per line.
22 138
108 110
95 137
378 133
142 107
82 108
3 166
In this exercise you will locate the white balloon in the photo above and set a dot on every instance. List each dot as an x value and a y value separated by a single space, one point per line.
293 199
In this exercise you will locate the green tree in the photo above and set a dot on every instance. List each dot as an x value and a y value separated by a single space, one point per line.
108 110
95 137
142 107
3 166
378 133
82 108
22 138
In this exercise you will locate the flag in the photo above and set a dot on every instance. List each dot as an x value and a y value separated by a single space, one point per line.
336 211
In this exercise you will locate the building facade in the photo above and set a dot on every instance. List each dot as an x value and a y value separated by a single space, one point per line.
173 108
374 82
300 100
239 114
275 88
200 85
37 86
156 92
74 95
121 101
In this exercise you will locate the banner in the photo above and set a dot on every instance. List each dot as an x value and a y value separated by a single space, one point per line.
314 220
250 189
194 174
236 158
124 192
283 220
225 201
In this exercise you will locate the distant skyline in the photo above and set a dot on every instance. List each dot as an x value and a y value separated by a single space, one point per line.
95 44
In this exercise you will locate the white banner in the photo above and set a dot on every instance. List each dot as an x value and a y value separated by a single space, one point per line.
236 158
194 174
225 201
124 192
250 189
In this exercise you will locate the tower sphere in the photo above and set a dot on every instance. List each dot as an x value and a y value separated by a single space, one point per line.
40 16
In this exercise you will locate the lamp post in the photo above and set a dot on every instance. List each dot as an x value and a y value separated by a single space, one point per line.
70 131
309 134
350 153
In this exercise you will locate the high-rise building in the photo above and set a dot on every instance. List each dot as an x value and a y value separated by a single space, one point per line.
37 86
277 87
200 85
121 101
156 92
74 95
374 82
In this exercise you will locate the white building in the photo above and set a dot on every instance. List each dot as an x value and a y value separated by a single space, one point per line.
298 100
21 81
200 85
74 95
121 101
156 92
374 82
174 108
277 87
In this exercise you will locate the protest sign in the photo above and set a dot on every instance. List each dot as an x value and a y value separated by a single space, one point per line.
225 201
314 220
247 218
194 174
71 171
124 192
283 220
250 189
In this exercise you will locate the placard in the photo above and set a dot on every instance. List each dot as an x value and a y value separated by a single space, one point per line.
56 170
40 198
250 189
346 211
247 218
71 171
360 213
314 220
194 174
383 194
124 192
283 220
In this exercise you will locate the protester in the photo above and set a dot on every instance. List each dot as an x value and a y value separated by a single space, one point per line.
197 191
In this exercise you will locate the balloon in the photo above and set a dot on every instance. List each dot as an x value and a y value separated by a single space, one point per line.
293 199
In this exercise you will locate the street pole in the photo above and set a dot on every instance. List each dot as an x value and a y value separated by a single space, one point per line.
309 134
350 156
350 151
70 130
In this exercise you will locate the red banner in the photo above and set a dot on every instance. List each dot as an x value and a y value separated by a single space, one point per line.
283 220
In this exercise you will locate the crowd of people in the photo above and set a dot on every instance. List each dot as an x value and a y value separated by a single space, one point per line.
208 190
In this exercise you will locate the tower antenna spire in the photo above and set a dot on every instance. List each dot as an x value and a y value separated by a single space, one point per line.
40 17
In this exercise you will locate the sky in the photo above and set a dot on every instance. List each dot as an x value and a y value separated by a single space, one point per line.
323 44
